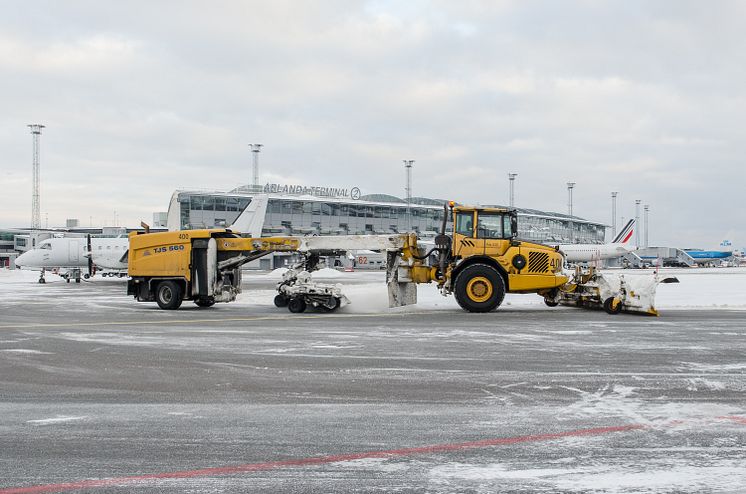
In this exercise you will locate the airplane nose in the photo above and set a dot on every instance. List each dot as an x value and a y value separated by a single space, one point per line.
20 260
28 259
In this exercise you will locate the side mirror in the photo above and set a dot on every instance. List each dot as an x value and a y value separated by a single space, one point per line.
514 226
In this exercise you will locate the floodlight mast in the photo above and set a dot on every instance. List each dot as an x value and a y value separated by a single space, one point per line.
511 177
637 222
35 190
613 214
570 186
408 190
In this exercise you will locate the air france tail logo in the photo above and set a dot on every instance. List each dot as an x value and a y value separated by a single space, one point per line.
625 234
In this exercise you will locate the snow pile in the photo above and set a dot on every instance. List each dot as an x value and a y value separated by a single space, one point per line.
327 273
275 274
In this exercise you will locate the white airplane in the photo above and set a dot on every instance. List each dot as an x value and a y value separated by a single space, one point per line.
596 252
68 256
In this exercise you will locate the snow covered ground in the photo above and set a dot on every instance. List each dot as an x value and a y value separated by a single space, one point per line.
96 385
698 288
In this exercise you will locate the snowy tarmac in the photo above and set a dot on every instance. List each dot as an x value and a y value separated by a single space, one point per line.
100 393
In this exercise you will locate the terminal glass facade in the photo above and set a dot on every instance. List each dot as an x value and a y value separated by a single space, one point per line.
372 214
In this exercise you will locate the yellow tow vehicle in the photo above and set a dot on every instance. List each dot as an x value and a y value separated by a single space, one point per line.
481 261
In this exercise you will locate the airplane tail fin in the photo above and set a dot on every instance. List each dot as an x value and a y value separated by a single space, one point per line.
251 219
625 234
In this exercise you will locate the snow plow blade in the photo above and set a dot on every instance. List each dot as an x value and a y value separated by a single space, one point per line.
613 292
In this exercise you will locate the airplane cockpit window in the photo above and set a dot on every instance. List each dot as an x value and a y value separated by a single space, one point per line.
490 225
46 246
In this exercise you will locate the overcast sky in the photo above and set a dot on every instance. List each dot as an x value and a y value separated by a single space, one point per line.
141 98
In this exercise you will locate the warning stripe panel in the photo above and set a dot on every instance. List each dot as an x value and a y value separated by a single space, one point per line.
538 262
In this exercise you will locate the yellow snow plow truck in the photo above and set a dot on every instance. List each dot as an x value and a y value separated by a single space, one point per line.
478 262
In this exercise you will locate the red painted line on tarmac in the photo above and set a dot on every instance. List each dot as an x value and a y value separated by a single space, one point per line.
318 460
735 418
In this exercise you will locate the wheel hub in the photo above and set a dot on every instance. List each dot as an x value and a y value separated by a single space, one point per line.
479 289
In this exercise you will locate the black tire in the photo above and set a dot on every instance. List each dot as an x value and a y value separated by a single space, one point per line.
42 280
334 305
551 303
608 306
204 302
281 300
296 305
479 288
168 295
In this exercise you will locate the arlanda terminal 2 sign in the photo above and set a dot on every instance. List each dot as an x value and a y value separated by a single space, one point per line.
302 190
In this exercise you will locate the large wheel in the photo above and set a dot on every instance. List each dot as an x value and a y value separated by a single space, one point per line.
479 288
296 305
281 300
334 304
168 295
204 302
609 306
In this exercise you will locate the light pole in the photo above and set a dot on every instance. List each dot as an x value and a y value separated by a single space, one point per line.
637 222
35 194
570 186
613 214
408 190
646 208
511 177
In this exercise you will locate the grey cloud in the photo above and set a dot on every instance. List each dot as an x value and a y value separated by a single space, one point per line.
143 97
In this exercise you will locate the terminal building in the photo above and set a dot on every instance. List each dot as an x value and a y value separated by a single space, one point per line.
301 210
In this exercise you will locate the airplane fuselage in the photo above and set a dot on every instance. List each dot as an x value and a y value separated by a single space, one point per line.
590 252
72 253
706 256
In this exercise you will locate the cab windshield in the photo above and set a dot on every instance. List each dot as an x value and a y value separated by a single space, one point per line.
494 225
